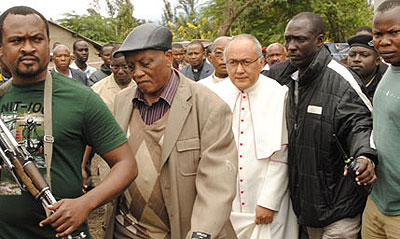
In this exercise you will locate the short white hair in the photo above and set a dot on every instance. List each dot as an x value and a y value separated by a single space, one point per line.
257 44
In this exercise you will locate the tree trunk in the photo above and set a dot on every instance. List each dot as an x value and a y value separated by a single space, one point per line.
232 17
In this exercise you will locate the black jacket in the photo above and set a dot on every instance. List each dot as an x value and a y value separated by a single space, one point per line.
380 71
329 102
99 74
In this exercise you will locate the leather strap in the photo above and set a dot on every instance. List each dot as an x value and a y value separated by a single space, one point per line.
4 87
48 138
48 124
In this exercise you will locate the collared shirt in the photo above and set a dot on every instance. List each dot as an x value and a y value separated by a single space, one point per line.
151 114
89 69
69 72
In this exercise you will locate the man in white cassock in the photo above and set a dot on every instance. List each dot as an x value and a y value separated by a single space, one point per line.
262 207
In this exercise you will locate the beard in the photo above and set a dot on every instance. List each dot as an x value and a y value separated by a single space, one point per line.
30 71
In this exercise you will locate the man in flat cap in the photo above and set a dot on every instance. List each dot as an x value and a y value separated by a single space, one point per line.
364 59
180 133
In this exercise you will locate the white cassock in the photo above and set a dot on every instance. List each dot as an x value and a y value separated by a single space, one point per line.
260 132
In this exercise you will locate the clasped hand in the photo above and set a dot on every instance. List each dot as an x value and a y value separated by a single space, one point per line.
264 215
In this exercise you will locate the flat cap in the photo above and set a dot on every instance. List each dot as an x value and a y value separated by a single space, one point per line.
147 36
361 40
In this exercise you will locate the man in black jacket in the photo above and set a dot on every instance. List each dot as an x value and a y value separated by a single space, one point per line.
364 59
105 69
325 99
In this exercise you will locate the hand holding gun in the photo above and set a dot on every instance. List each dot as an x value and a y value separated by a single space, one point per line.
18 161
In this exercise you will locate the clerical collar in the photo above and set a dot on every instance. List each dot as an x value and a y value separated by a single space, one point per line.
199 68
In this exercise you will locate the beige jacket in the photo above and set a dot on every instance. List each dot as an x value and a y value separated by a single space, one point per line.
199 161
107 89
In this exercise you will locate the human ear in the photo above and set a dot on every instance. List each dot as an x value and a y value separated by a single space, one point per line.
168 57
320 39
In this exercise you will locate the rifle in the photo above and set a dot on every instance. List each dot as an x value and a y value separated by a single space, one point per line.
19 162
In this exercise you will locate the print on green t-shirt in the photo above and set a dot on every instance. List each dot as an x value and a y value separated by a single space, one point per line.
79 118
26 123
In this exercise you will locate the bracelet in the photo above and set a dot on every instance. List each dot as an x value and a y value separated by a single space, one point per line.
364 157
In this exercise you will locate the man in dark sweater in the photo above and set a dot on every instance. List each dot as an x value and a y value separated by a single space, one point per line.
105 70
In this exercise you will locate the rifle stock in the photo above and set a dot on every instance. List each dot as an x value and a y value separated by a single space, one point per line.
18 161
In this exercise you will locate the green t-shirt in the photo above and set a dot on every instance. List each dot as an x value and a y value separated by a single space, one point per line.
80 118
386 119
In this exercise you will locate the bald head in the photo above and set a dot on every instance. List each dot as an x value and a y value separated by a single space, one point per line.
276 53
60 47
219 41
304 37
62 58
216 56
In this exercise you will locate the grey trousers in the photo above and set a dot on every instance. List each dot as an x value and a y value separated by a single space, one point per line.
346 228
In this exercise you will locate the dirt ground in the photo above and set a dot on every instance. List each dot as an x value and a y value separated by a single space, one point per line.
96 218
95 222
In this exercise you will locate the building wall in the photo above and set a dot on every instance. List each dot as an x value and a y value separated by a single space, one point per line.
65 37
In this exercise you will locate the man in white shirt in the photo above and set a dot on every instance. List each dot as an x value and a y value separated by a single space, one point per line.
216 58
81 53
262 207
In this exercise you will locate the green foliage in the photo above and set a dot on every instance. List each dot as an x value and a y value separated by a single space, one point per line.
102 29
95 26
267 19
341 18
186 22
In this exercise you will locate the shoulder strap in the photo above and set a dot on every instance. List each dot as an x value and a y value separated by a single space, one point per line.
4 87
48 138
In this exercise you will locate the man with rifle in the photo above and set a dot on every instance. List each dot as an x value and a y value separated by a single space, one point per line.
46 116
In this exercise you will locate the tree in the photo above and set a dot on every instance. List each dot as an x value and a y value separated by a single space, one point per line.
267 20
168 15
93 25
186 22
341 18
228 11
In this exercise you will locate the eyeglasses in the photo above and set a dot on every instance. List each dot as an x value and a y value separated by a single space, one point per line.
124 67
244 63
218 54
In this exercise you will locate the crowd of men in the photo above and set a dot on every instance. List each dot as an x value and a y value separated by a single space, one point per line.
236 141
